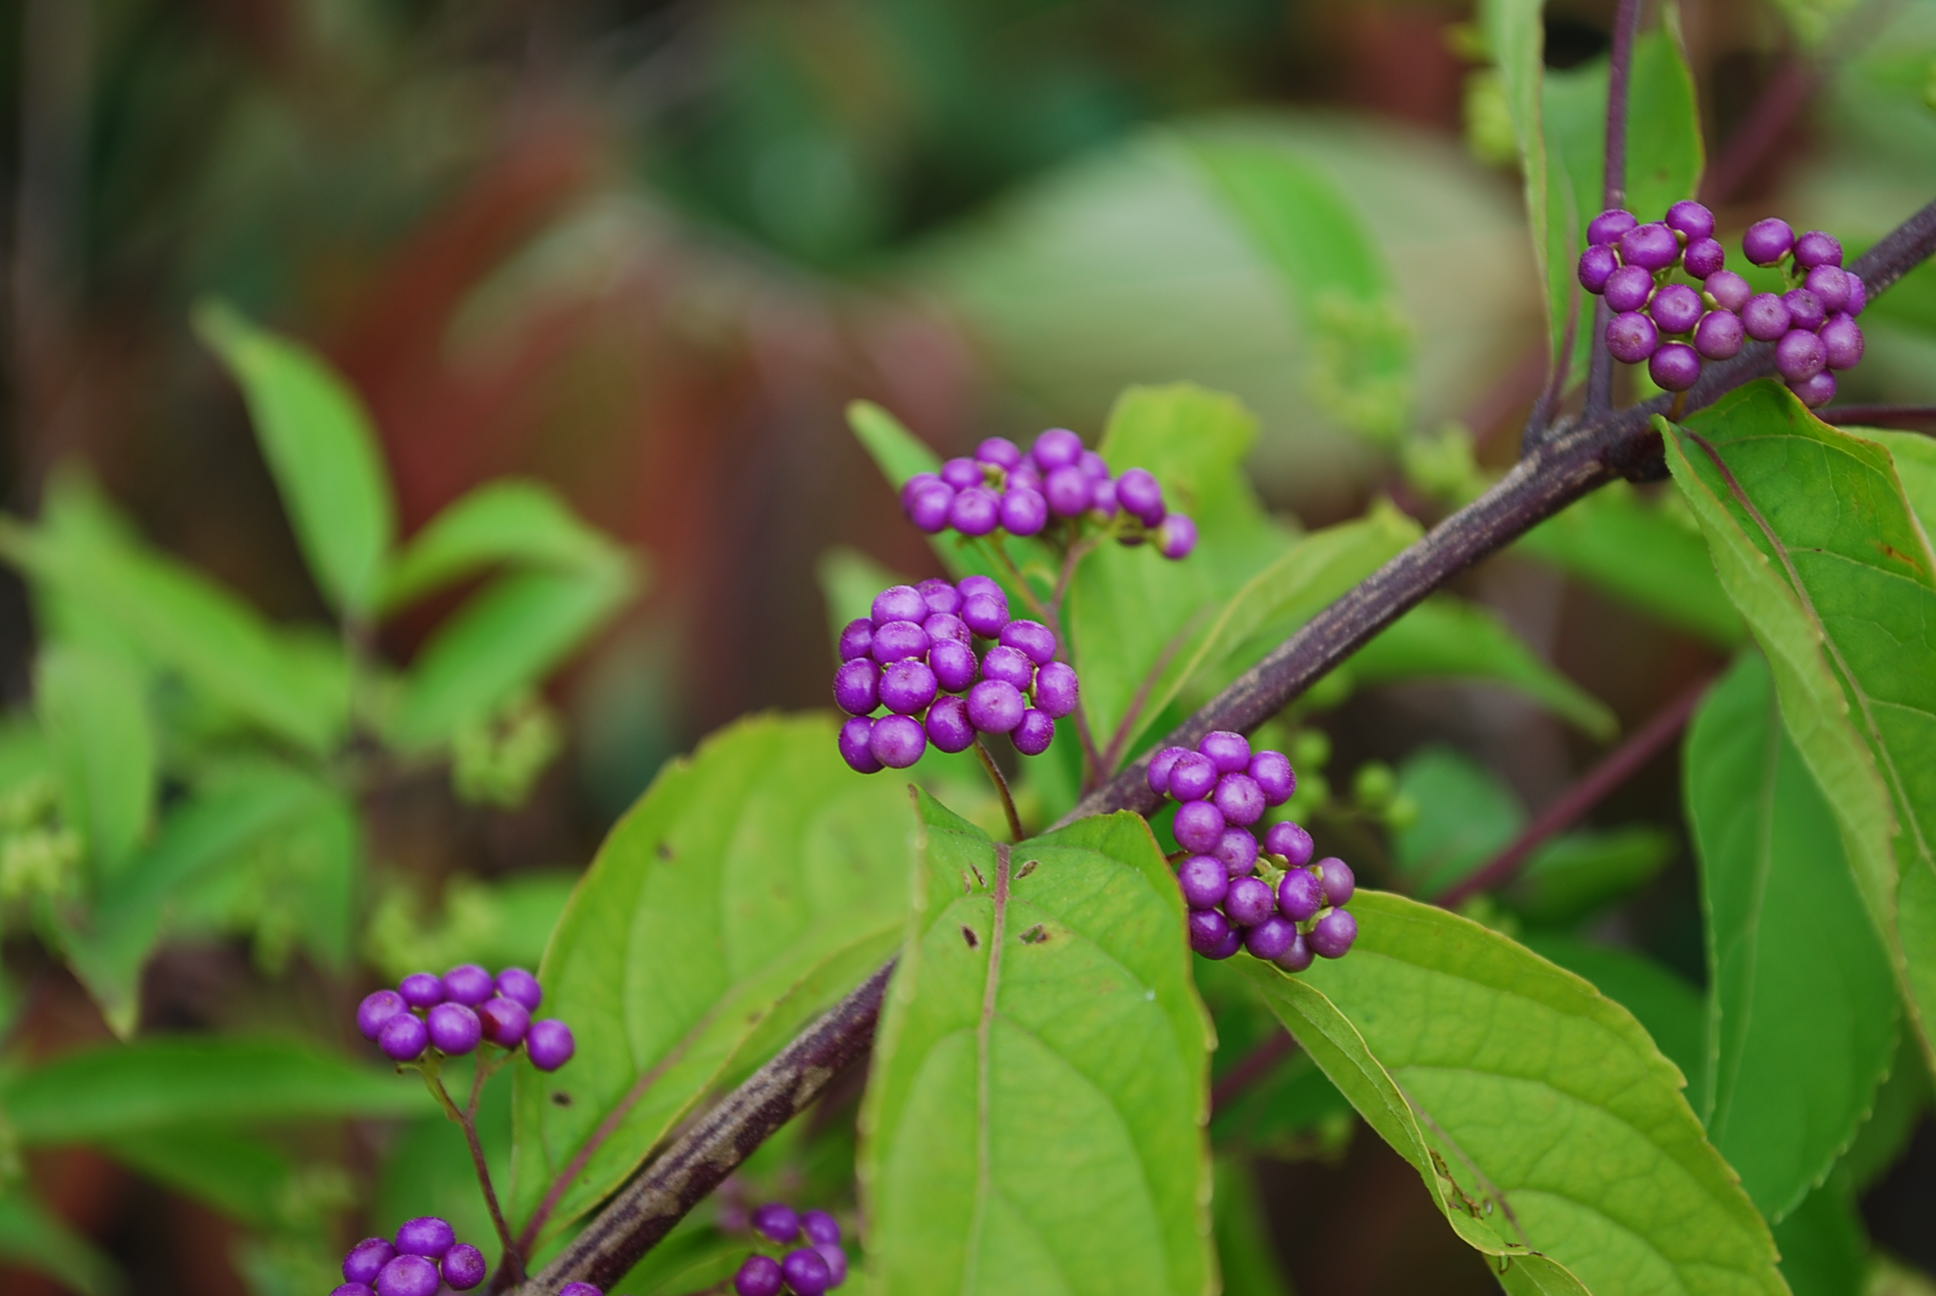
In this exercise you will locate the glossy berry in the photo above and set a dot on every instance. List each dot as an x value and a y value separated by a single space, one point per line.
1010 665
1800 355
408 1275
1842 342
464 1266
999 451
1676 308
1703 257
1031 638
403 1038
907 687
1631 337
1158 773
1339 881
897 741
1719 335
1691 219
820 1227
1249 901
954 665
353 1289
898 641
961 473
468 984
1237 851
579 1289
520 986
899 603
1651 246
1199 826
1805 310
422 989
778 1221
1298 957
857 686
1034 734
1858 294
975 511
948 726
378 1008
1609 225
1192 776
505 1021
1333 934
1597 264
806 1272
1628 288
1767 241
549 1044
1831 287
928 505
1240 799
856 745
1176 538
367 1258
856 638
836 1260
1675 367
1817 249
1229 751
1208 930
995 706
1139 495
1203 880
1765 317
985 613
1057 689
454 1029
1289 842
427 1236
1299 895
1273 773
1055 448
759 1276
1817 391
1728 289
1271 938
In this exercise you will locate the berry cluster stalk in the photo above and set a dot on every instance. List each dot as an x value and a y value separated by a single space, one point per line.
1626 23
1592 452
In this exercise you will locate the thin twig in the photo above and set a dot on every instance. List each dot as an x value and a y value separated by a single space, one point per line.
1613 188
466 1120
1870 415
1001 787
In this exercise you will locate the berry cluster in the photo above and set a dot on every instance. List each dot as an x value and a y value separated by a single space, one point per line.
916 656
1003 488
425 1256
1812 324
457 1011
818 1266
1271 899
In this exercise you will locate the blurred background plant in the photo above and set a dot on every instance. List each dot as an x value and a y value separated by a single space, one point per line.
599 280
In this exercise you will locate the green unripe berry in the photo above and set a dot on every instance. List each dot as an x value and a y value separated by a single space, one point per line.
1402 813
1373 785
1310 750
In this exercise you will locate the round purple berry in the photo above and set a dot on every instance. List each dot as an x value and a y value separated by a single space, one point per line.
378 1008
1631 337
946 626
1831 287
1858 294
1596 264
1340 883
1719 335
352 1289
778 1221
1628 288
856 747
1272 770
1609 225
454 1028
985 613
1024 512
1249 901
897 741
899 603
1140 496
1651 246
1299 895
505 1021
367 1258
1805 310
1208 930
464 1266
954 665
1176 538
403 1038
1290 843
929 506
1800 355
1675 367
857 687
995 706
1203 880
1817 391
1271 939
1817 249
1228 750
820 1227
1026 477
1034 734
961 473
1332 934
1237 851
549 1044
806 1272
1055 448
1240 799
1199 827
907 687
1102 499
1691 219
897 641
1192 776
425 1236
1297 957
759 1276
948 726
422 989
1767 241
1033 638
408 1275
1704 257
939 596
1001 452
1056 689
977 583
1842 342
469 984
856 638
1728 289
1765 317
836 1260
579 1289
975 511
1068 490
1676 308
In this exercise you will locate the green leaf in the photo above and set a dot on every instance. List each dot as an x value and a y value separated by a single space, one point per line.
504 640
35 1238
1817 546
1473 815
1547 1127
103 746
165 1081
1245 1256
1914 456
1671 1010
505 521
1823 1246
238 1174
1573 876
1444 636
750 887
1798 1046
321 449
1034 1116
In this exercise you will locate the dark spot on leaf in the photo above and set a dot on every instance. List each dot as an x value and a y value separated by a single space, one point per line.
561 1098
1028 867
665 851
980 881
1035 935
1907 560
968 934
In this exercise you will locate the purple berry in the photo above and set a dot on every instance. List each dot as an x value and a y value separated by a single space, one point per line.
1001 452
1068 490
856 747
1299 895
1034 734
1675 367
403 1038
1728 289
378 1008
1628 288
1056 689
820 1227
1233 940
979 584
985 613
759 1276
579 1289
1199 826
1842 342
1024 512
1800 355
422 989
1192 776
857 687
454 1028
1093 466
960 473
1631 337
1240 799
1767 241
778 1221
938 596
464 1266
899 603
519 986
954 665
549 1044
1237 851
1249 901
353 1289
944 626
1691 219
1102 500
1719 335
1010 665
1055 448
1704 257
1805 310
1339 881
1858 294
1817 391
1208 930
1651 246
1203 881
1817 249
1032 637
995 706
1676 308
856 638
1272 770
836 1261
1596 264
1609 225
1160 766
929 505
367 1258
806 1272
898 641
975 511
505 1021
1026 477
1831 287
948 727
426 1236
1297 957
907 687
1765 317
897 741
1140 496
1290 843
1271 939
1332 934
408 1275
1229 751
1176 538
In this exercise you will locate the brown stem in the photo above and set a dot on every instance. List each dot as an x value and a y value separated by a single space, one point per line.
512 1263
1871 415
1001 786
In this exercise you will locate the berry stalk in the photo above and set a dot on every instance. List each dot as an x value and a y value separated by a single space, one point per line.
512 1264
1015 832
1599 374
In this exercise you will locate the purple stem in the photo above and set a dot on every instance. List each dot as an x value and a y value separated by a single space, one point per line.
1613 189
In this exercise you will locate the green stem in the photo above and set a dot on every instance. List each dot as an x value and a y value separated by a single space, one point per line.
1001 787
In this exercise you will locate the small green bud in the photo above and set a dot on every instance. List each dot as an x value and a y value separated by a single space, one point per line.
1373 785
1402 813
1310 750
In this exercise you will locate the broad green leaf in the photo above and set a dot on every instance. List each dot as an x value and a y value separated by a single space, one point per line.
166 1081
506 639
1472 816
1246 1259
1816 545
34 1238
506 521
750 887
1034 1116
1444 636
1547 1127
1899 1108
1915 458
1798 1047
1824 1249
1670 1009
103 746
322 451
1572 876
238 1174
